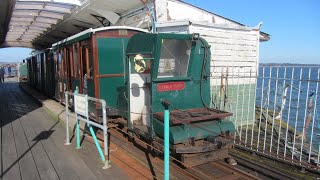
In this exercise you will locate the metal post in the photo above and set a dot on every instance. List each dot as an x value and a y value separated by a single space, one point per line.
289 110
67 121
166 104
274 111
236 116
105 135
297 113
97 143
248 112
261 108
77 132
267 110
314 115
304 136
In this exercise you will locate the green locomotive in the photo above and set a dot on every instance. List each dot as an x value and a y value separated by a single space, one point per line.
175 67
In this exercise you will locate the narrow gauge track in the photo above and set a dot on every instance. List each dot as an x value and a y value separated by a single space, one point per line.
263 171
222 170
212 170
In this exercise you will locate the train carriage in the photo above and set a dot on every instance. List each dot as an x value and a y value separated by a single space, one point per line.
90 61
136 72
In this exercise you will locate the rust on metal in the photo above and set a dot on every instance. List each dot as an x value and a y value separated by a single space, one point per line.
193 115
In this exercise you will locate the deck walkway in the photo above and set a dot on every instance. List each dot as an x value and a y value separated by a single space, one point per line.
32 143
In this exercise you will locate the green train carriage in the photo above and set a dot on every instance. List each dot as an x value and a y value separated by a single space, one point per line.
133 71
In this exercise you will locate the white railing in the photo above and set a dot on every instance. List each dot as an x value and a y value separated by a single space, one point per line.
275 109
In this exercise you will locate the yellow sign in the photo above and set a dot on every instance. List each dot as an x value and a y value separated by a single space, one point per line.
139 64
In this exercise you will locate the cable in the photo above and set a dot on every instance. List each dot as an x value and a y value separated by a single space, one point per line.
204 62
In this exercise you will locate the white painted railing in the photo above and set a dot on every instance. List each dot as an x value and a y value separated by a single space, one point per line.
275 109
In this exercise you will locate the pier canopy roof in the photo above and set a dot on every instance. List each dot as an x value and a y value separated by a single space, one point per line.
40 23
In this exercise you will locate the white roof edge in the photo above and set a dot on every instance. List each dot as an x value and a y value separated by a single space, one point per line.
40 51
91 30
173 23
202 23
72 37
118 27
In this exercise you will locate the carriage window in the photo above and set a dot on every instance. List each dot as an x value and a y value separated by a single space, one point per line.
90 69
60 64
70 61
174 58
76 62
84 60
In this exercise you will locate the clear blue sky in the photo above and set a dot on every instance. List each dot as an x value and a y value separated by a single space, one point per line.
14 54
294 27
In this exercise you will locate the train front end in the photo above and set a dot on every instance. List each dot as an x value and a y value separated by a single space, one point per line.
176 68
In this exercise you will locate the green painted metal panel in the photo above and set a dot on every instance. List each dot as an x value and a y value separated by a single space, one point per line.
111 53
142 43
109 91
111 57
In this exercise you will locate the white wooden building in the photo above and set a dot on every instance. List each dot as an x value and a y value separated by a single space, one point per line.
234 54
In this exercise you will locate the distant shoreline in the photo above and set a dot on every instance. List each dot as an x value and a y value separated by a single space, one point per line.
287 64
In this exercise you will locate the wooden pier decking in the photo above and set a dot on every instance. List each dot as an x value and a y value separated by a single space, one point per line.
32 143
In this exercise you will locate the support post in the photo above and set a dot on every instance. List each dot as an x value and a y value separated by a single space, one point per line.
78 132
67 120
97 143
166 104
105 135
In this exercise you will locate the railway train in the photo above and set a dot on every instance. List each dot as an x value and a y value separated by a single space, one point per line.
133 70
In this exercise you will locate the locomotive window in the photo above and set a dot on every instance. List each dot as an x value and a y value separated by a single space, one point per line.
174 58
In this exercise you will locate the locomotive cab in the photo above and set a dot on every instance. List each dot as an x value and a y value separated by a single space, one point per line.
175 68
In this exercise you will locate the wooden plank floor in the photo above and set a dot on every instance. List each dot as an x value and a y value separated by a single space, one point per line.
32 144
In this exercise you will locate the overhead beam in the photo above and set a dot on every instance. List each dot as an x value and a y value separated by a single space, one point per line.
6 9
64 2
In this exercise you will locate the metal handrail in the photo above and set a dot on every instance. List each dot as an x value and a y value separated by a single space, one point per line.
84 116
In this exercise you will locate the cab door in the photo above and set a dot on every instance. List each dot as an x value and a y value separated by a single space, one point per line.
139 89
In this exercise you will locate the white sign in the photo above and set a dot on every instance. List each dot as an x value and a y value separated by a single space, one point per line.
81 105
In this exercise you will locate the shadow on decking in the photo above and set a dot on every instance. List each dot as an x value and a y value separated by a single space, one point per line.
14 105
44 135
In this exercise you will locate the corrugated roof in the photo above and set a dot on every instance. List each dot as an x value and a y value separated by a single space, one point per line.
31 18
40 23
